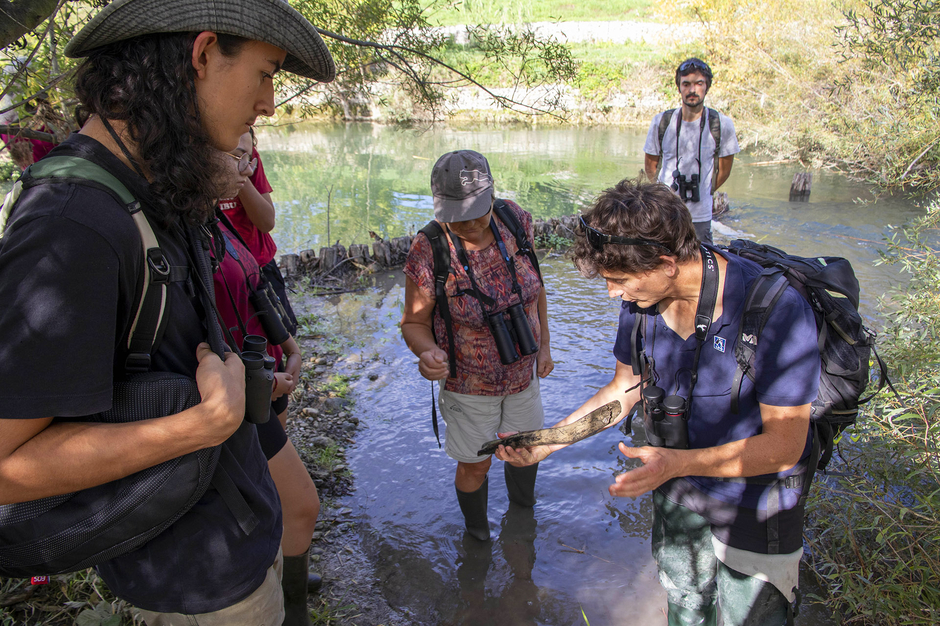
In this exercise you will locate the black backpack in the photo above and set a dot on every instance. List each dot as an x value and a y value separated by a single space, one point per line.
846 345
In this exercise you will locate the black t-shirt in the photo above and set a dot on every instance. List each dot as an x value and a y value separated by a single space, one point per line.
70 270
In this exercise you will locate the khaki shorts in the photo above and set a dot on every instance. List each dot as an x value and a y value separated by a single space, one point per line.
474 420
264 607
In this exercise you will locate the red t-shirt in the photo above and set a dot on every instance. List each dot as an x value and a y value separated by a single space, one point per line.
261 244
479 370
236 270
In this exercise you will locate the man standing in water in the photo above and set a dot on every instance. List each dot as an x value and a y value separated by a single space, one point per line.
726 468
687 152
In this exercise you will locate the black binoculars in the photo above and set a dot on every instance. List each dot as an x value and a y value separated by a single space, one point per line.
507 338
271 313
687 189
666 419
259 379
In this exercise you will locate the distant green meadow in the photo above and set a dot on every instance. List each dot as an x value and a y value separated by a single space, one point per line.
521 11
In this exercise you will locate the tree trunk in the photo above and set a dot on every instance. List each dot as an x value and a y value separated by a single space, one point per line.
21 17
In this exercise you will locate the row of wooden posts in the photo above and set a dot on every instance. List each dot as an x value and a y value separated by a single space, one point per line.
337 261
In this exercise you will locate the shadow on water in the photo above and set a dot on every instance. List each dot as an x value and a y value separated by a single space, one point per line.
579 550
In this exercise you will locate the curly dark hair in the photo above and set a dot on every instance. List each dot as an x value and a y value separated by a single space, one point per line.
148 82
632 209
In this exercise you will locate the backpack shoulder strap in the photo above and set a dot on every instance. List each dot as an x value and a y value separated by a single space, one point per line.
663 125
637 344
714 127
151 303
507 217
441 252
761 298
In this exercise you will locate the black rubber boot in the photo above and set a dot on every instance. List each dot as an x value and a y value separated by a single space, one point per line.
294 584
473 507
520 483
314 582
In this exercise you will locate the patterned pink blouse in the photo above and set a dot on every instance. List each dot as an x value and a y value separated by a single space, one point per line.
479 370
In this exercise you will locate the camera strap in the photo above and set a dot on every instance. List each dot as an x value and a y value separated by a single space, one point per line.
701 130
486 302
509 260
704 313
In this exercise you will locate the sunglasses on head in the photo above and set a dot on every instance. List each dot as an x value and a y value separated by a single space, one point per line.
693 64
598 240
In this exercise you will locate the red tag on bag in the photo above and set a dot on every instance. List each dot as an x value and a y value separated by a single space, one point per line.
39 580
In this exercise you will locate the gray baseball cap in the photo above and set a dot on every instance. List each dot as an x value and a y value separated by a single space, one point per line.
462 186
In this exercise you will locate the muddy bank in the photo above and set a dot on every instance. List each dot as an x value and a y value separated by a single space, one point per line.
322 423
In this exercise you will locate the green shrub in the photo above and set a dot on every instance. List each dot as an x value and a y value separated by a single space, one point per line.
874 524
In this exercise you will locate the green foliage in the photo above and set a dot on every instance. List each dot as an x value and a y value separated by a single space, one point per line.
8 171
856 85
874 524
552 241
527 11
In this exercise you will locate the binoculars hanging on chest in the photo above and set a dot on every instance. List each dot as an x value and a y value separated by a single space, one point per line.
517 332
666 419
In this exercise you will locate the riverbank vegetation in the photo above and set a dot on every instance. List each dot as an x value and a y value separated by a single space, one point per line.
874 523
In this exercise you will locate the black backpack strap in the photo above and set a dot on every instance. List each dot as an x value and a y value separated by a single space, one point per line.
663 125
761 298
526 247
714 127
441 252
440 249
637 340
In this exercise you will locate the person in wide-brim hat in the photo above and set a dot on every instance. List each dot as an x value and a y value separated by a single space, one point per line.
271 21
164 89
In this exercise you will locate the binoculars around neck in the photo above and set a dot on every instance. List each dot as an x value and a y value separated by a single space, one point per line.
507 337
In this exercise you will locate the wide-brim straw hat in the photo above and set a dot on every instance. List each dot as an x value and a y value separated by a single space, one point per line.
271 21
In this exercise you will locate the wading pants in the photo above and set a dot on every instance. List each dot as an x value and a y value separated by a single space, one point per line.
696 582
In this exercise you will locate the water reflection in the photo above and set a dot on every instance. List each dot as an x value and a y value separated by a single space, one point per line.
339 182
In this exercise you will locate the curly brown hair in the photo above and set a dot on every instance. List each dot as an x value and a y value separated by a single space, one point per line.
149 83
648 211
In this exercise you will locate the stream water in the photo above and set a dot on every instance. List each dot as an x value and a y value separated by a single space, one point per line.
580 556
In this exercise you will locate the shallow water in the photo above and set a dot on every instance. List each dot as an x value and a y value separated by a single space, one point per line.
581 555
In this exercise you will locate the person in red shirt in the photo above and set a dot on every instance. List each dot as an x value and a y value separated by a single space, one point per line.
251 212
238 274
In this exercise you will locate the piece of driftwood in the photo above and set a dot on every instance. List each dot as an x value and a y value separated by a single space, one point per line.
801 186
591 424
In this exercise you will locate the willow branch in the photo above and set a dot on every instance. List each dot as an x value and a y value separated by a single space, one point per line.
509 103
27 133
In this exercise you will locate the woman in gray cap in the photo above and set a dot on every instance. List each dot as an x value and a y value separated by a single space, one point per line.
481 324
165 84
